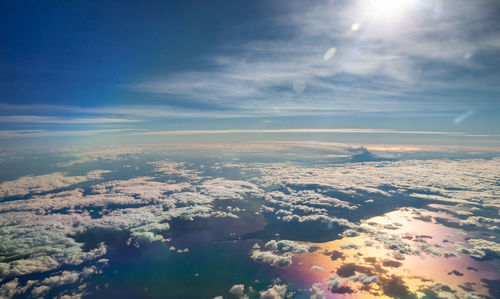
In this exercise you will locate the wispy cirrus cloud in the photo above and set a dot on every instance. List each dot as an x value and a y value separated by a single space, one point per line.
420 59
270 131
61 120
140 113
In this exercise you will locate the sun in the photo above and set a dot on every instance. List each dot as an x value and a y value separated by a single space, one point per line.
388 8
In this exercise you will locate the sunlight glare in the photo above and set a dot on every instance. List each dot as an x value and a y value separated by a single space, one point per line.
388 8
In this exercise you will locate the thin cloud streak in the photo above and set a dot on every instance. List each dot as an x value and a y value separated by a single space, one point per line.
5 134
60 120
248 109
350 131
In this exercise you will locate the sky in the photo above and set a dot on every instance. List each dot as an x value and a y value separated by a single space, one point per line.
366 71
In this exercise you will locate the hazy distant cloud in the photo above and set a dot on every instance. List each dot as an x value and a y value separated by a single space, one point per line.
349 131
48 133
180 169
106 154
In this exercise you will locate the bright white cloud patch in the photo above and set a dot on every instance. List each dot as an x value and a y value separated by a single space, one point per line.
47 182
278 253
229 189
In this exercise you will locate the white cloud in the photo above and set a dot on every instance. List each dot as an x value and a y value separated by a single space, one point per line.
40 291
457 181
363 278
316 291
277 291
47 182
278 253
179 169
271 258
481 248
229 189
237 289
39 229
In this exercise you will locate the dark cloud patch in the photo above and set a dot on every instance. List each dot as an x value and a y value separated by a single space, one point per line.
467 286
350 269
446 289
423 218
370 260
447 222
342 290
431 294
391 264
455 272
493 286
335 255
396 288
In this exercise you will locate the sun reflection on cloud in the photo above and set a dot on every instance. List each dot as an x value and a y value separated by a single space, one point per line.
406 252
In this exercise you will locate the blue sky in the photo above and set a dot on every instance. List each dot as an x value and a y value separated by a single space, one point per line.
131 70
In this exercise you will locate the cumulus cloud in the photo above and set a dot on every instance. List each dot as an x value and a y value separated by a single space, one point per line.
237 289
363 278
482 248
286 246
455 181
36 233
277 291
39 229
278 253
47 182
40 291
271 258
317 291
229 189
9 289
179 169
66 277
333 282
